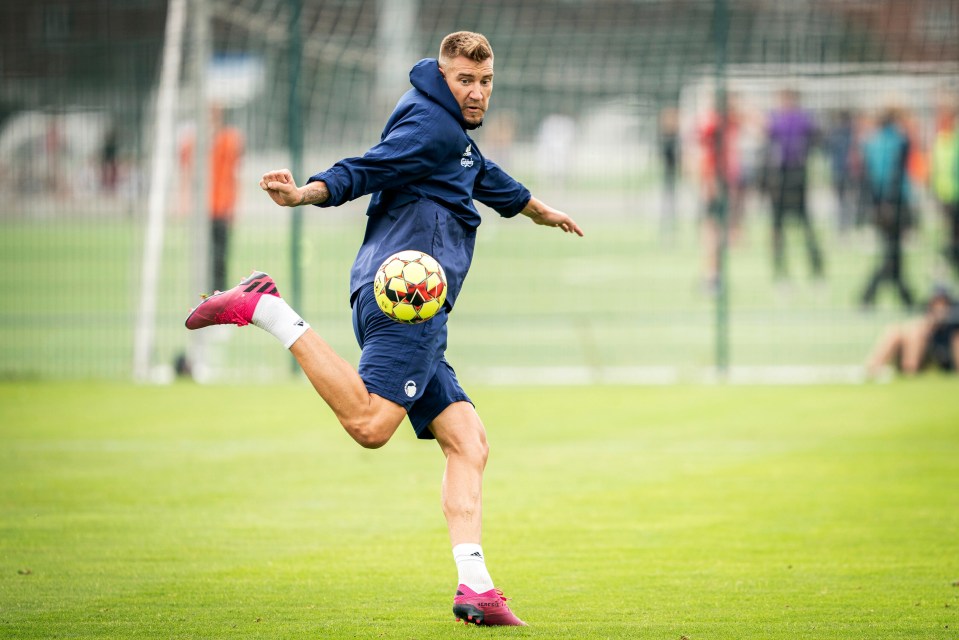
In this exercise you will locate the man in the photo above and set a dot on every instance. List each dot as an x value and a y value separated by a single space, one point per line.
423 174
840 147
226 153
885 157
945 177
718 140
669 149
791 133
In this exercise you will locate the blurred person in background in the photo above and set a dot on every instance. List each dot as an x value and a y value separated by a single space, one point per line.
109 161
555 152
944 177
750 143
669 149
866 123
719 161
917 165
840 143
885 157
499 136
54 152
931 341
791 134
226 153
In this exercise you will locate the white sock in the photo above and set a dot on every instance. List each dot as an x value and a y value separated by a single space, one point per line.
471 566
276 316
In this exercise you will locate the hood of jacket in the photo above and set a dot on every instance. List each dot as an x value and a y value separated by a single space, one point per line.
425 77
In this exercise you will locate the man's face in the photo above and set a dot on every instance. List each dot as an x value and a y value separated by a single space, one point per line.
471 83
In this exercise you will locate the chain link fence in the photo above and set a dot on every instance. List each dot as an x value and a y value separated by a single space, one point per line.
648 121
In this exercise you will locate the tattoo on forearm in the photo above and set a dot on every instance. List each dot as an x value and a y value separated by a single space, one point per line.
314 193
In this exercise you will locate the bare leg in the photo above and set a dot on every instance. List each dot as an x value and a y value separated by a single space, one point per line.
915 339
907 342
462 437
887 348
370 419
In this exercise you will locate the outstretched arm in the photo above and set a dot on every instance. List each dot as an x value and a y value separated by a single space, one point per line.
541 213
282 189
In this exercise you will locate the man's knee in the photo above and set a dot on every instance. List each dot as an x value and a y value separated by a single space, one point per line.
374 428
460 433
473 447
473 452
369 435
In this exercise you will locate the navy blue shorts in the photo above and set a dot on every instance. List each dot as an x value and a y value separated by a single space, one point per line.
406 363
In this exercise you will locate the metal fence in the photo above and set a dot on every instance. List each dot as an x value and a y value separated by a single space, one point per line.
606 109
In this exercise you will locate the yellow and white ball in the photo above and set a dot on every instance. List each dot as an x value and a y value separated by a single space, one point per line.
410 287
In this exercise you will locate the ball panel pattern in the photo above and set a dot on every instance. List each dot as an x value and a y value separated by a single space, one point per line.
410 287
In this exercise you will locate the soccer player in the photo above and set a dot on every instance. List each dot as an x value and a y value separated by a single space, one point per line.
424 175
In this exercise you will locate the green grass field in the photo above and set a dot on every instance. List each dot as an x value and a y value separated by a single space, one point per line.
699 512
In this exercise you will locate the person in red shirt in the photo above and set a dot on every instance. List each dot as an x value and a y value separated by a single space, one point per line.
718 159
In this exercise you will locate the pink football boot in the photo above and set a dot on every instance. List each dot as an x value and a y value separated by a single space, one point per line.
235 306
488 608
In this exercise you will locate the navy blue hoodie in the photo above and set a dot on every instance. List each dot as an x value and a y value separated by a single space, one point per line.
424 175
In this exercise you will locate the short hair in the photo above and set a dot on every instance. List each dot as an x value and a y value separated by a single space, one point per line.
471 45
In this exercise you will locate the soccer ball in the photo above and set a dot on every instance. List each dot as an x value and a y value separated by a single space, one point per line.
410 287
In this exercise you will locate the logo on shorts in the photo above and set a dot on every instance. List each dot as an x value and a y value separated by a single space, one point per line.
410 388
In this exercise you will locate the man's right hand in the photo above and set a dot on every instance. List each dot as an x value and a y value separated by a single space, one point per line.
281 188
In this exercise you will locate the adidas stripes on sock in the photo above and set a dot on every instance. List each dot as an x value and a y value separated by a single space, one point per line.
471 566
274 315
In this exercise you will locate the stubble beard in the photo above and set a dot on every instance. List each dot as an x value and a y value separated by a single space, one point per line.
474 120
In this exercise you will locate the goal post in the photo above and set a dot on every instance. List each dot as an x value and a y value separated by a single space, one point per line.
161 162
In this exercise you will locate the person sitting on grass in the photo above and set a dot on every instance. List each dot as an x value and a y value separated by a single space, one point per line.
931 341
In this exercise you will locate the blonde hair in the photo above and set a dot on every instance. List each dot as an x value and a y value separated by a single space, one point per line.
471 45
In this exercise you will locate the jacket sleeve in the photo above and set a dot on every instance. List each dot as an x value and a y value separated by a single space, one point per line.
408 152
498 190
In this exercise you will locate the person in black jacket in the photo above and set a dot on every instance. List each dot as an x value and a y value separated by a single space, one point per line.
885 155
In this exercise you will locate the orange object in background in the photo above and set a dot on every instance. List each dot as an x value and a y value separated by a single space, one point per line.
225 153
